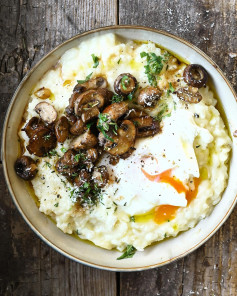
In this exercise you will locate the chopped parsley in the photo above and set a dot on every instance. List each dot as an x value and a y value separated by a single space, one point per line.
88 125
52 153
79 156
88 194
48 164
86 79
63 150
125 82
117 98
153 68
104 124
170 89
162 113
132 219
129 252
118 62
56 205
130 96
95 60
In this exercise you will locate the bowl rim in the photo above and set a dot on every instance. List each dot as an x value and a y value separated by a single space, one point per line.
3 148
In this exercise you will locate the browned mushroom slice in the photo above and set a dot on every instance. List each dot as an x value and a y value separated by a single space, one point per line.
83 177
90 114
77 128
92 154
88 99
98 82
107 94
149 96
65 169
62 129
128 153
72 100
71 119
42 141
43 93
100 176
84 141
26 168
79 88
116 110
195 75
189 95
46 112
32 125
124 139
124 84
70 158
134 113
146 126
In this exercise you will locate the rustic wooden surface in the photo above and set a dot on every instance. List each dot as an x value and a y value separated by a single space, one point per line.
28 30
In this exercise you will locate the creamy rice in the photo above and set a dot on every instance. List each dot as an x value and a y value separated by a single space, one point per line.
109 224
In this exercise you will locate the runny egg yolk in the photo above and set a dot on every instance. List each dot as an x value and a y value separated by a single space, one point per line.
166 213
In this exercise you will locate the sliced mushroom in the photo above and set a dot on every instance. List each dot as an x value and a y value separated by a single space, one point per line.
189 95
71 119
73 98
77 128
62 129
116 110
42 141
149 96
100 176
46 112
88 99
32 125
84 141
43 93
79 88
83 177
26 168
195 75
92 154
90 114
67 164
107 94
128 153
124 139
98 82
65 170
124 84
146 126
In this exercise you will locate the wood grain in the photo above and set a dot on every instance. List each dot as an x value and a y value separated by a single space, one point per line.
28 30
211 26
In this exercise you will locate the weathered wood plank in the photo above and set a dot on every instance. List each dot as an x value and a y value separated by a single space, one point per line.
211 26
28 30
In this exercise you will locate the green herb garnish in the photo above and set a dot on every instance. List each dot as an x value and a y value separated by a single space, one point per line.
47 137
132 219
118 62
95 60
104 124
161 114
88 125
53 153
79 156
48 164
125 82
86 79
130 96
63 150
130 251
117 98
56 205
170 89
153 68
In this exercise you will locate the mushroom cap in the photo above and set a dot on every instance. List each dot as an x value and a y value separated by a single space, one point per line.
25 168
88 99
97 82
124 84
146 126
189 95
100 176
116 110
84 141
46 112
78 127
124 139
32 125
148 96
62 129
42 141
195 75
90 114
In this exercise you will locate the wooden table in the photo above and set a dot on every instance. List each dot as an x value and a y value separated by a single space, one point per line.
29 29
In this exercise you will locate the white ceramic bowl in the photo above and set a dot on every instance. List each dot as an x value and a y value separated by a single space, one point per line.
81 251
